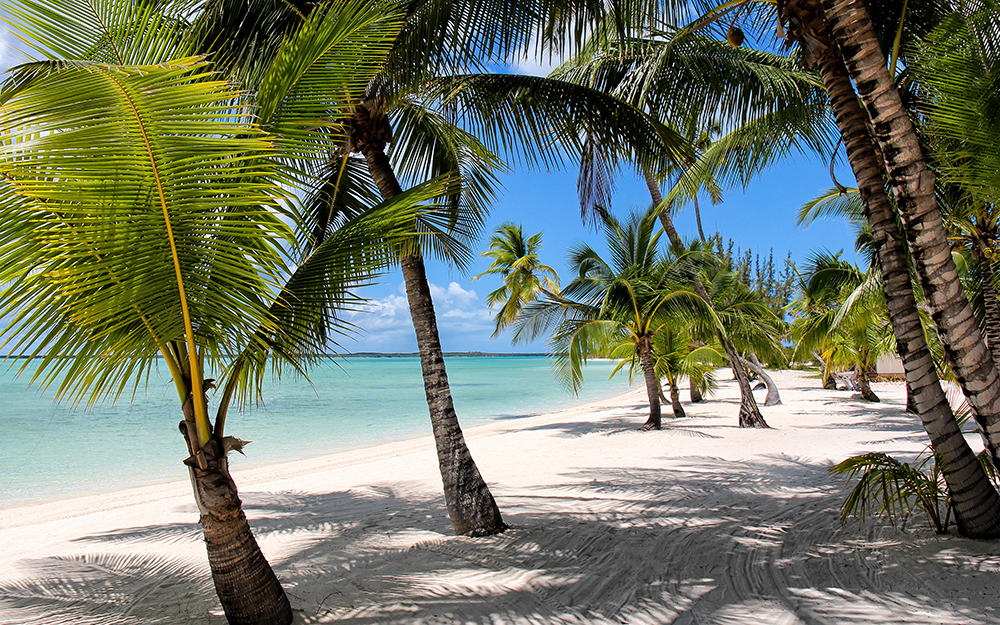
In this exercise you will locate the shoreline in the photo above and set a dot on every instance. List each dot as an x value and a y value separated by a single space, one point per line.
701 522
80 504
54 451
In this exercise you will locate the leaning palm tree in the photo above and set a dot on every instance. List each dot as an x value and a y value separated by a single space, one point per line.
515 259
143 221
405 132
955 70
854 317
768 107
844 27
752 327
676 353
977 505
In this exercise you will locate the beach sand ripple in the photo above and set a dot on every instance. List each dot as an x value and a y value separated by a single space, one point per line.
699 523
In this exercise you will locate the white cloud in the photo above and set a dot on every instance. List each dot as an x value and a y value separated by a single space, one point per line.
464 322
530 65
454 296
534 60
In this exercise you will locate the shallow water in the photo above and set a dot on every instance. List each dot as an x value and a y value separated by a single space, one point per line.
50 450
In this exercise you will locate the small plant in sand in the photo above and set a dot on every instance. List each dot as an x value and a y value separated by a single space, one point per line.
893 489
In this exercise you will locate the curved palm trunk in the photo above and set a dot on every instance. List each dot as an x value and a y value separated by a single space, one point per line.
865 386
471 506
976 502
750 416
829 380
773 397
696 396
247 586
697 218
675 400
913 185
655 421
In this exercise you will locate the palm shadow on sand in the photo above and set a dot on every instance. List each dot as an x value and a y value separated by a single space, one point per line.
704 541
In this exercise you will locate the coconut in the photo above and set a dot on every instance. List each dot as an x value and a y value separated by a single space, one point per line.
735 37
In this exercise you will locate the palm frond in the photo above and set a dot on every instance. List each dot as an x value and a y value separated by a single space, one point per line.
306 315
833 203
538 122
116 32
143 218
306 88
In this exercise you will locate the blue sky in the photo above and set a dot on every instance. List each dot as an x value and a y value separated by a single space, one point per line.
760 218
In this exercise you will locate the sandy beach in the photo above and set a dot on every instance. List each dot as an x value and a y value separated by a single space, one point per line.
698 523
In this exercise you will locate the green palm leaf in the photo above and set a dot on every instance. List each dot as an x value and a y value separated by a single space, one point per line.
306 87
136 214
117 32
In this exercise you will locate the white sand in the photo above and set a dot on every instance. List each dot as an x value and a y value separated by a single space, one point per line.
699 523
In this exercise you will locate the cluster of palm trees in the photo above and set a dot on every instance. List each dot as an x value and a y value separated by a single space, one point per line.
637 303
200 184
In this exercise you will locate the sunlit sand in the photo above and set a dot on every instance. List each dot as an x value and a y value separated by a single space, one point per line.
701 522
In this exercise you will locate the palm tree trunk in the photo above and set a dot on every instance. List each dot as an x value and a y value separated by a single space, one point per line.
471 506
750 416
247 587
675 400
695 391
697 218
976 502
655 421
991 310
913 185
773 397
829 380
866 388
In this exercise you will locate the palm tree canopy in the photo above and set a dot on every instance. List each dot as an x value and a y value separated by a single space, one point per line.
614 302
515 260
145 211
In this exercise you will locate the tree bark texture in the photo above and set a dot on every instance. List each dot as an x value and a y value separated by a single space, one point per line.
773 397
976 502
991 309
471 506
829 380
247 587
750 416
655 420
913 185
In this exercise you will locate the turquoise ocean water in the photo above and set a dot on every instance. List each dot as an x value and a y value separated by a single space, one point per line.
50 450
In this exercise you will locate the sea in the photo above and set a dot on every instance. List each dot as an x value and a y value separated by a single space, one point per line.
51 450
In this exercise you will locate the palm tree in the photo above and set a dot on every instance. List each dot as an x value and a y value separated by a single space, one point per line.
515 259
751 326
976 503
769 105
438 39
953 73
749 412
614 307
842 314
677 353
143 221
912 182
